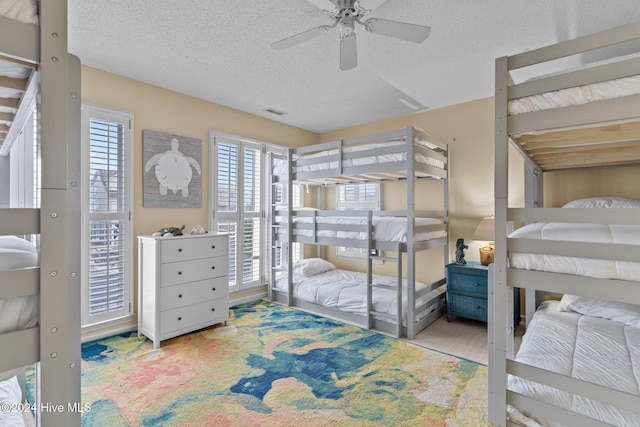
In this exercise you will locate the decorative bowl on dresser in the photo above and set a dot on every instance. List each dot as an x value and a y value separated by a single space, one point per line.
467 292
183 284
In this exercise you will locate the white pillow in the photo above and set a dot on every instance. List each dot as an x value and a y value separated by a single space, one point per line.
312 266
603 202
620 312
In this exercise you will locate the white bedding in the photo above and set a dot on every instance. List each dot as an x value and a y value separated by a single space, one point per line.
20 10
597 233
10 395
386 229
346 290
283 169
584 347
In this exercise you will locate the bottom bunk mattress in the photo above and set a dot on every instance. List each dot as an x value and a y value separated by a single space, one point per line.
347 291
589 348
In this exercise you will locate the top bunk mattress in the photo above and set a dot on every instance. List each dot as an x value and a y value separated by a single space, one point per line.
20 10
589 348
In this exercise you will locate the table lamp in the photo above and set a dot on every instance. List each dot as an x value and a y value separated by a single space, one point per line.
484 231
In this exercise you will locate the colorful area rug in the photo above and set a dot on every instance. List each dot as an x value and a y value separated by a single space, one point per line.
278 366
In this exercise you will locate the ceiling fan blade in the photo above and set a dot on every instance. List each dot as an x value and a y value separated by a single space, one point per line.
400 30
371 4
323 4
348 52
300 38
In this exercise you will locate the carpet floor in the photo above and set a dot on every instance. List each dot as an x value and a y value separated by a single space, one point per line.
278 366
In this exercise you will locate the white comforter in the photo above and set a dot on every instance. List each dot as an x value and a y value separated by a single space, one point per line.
386 229
588 348
346 290
10 398
21 10
596 233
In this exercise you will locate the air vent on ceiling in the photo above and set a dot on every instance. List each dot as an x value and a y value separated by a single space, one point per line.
276 112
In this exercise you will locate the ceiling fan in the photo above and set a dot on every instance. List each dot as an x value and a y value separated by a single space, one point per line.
346 14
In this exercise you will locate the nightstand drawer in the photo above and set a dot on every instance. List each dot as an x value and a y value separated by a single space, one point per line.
177 249
475 308
174 273
467 283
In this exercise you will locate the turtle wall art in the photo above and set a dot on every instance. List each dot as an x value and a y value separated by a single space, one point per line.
172 170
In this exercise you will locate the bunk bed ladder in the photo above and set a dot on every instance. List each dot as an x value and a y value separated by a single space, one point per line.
371 285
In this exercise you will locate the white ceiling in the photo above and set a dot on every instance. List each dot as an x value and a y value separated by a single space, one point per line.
219 51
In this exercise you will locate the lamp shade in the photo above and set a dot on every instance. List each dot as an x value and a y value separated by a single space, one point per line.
485 230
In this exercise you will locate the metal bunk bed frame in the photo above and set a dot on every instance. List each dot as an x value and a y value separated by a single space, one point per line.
502 279
366 173
55 344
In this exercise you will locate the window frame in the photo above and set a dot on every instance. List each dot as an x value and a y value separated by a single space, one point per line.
126 313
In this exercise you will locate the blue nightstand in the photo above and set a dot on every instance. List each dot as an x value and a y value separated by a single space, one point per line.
467 292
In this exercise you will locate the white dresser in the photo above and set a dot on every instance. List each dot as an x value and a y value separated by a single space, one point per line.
183 284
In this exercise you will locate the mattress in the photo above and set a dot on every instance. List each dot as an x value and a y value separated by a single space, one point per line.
386 229
20 10
595 233
589 348
347 291
283 169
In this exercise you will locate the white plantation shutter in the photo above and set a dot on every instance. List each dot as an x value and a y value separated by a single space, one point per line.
239 208
107 288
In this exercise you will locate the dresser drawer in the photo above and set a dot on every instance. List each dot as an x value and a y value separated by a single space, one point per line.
468 283
475 308
191 293
174 273
182 248
195 314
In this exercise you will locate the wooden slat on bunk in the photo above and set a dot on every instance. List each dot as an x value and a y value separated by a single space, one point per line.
20 282
19 348
615 144
19 221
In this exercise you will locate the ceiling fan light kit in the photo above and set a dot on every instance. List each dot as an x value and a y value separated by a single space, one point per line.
345 15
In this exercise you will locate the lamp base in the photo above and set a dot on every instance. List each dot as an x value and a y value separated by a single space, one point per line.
486 254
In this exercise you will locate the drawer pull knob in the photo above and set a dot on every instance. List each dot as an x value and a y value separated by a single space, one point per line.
213 267
213 289
213 309
179 318
179 273
180 296
213 246
180 250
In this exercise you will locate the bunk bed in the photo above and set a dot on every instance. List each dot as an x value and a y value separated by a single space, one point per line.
392 304
40 281
579 264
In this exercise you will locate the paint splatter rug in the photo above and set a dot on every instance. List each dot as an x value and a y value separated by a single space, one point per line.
278 366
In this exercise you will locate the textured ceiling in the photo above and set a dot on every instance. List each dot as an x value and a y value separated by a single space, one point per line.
219 51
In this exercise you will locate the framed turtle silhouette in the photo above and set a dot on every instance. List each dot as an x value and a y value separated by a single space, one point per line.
172 170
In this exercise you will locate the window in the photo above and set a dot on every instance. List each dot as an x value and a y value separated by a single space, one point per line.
364 196
238 208
107 285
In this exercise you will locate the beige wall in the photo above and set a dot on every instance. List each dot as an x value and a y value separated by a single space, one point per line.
162 110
